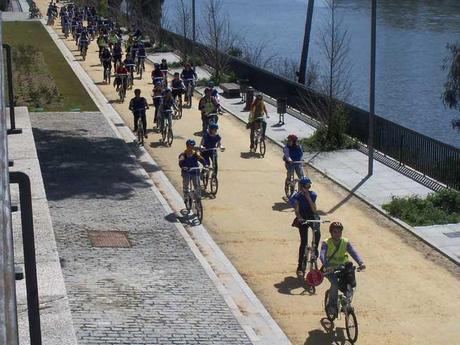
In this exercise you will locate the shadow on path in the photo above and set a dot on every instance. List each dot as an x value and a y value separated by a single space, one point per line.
87 167
291 283
350 194
328 335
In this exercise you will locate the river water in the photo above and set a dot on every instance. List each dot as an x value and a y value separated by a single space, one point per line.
411 45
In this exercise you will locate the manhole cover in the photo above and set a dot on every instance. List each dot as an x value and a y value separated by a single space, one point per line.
452 234
114 239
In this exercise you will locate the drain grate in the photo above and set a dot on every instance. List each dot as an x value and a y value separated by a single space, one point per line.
112 239
452 234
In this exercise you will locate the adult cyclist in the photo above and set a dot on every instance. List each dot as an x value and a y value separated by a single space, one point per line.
256 118
106 60
304 203
208 105
138 105
188 75
211 140
177 86
334 253
293 153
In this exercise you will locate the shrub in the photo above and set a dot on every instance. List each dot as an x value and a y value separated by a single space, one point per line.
437 208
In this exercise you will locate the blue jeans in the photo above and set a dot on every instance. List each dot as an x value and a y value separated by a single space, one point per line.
333 290
294 167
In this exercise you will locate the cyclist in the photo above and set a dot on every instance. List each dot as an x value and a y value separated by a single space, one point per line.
84 40
117 54
106 59
101 43
293 153
215 94
113 39
208 105
121 76
334 252
157 76
304 203
190 159
129 63
188 75
164 70
141 55
137 34
167 106
138 105
177 86
157 95
256 119
211 140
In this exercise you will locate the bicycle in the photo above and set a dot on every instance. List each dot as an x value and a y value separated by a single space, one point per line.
107 74
140 131
291 183
192 198
309 260
259 140
208 119
122 87
344 302
189 85
84 51
209 177
140 67
130 81
166 128
178 111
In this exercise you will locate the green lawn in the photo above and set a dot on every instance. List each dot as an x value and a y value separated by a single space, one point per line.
55 87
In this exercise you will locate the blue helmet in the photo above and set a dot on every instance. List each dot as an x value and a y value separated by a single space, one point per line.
304 181
190 142
213 126
210 84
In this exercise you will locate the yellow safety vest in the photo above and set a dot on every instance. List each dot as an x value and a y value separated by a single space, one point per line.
339 258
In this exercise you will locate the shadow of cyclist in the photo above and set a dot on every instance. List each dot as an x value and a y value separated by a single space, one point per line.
289 284
327 336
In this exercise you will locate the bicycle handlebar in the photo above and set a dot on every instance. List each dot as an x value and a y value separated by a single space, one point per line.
212 149
314 221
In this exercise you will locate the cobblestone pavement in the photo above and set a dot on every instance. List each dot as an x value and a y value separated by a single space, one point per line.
153 293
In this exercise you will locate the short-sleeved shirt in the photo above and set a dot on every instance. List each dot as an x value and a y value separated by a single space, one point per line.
304 207
190 162
138 104
211 141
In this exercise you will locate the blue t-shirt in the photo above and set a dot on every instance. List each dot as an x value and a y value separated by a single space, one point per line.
190 162
210 141
304 207
295 152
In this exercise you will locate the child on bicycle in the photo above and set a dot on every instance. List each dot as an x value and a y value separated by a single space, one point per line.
211 140
304 203
177 86
293 153
167 106
191 158
334 253
138 105
121 78
256 118
157 95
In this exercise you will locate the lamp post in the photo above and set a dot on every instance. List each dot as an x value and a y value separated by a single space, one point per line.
306 42
370 142
193 30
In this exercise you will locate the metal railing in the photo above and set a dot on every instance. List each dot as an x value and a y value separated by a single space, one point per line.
8 313
428 156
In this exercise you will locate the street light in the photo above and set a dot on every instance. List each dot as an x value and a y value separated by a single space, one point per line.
370 142
306 42
194 30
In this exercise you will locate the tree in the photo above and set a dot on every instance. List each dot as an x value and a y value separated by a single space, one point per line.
451 94
216 35
184 27
333 83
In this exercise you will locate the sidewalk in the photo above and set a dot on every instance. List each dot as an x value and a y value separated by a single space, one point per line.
346 167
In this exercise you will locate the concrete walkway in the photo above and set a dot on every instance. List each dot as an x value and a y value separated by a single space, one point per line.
346 167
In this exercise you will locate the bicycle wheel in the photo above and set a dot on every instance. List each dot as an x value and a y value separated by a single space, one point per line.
170 135
140 72
164 131
140 132
198 209
188 202
351 325
262 147
205 178
330 316
289 187
179 113
214 184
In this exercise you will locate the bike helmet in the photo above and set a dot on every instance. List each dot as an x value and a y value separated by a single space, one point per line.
292 137
190 142
210 84
304 181
334 225
213 126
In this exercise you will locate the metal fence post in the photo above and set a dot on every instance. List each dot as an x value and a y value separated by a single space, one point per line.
28 239
9 68
370 142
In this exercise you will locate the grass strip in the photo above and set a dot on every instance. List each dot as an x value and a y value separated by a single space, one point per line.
72 94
